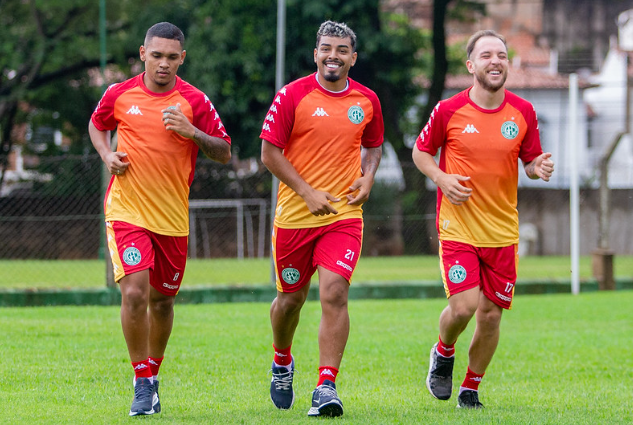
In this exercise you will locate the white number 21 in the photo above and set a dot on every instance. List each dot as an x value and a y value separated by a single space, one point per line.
350 255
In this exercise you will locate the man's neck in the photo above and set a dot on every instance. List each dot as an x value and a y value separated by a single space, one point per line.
487 99
334 87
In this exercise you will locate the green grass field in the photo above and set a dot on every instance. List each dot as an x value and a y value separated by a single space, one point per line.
91 273
562 359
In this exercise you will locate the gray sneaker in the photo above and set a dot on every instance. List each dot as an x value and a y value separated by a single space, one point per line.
325 401
439 381
143 394
469 399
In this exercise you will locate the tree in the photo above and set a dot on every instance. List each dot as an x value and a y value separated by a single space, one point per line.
459 10
238 40
46 53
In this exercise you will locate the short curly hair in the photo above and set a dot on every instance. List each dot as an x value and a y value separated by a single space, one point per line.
336 29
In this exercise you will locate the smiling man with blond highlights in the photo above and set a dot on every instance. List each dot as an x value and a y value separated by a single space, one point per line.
481 133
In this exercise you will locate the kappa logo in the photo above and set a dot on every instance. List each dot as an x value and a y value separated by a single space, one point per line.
345 266
320 112
168 286
470 129
134 110
328 372
503 297
140 366
266 127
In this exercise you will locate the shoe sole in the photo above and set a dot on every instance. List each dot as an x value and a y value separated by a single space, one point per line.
459 406
428 377
331 410
142 412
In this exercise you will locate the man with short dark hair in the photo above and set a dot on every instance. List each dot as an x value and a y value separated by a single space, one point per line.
161 122
482 133
322 138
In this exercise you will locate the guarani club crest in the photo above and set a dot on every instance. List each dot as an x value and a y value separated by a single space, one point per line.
356 114
132 256
290 275
457 274
510 130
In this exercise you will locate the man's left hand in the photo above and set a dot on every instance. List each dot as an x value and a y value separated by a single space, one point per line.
175 120
544 166
363 187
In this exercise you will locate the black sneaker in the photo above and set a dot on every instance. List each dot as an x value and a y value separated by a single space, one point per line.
439 381
155 398
281 392
469 399
325 401
143 394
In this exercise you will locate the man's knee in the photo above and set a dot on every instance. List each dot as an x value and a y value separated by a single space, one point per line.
463 305
134 296
333 292
290 302
489 318
162 306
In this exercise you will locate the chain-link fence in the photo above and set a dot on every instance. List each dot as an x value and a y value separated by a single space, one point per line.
53 217
51 223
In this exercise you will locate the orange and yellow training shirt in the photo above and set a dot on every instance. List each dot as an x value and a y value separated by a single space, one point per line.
484 145
321 134
153 193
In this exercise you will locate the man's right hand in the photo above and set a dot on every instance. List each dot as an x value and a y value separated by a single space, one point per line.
116 162
452 189
319 202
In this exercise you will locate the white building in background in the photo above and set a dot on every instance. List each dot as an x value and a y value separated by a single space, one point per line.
608 105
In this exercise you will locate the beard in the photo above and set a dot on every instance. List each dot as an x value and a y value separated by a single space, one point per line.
332 78
486 85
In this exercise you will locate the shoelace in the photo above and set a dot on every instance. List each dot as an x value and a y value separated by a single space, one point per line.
282 381
327 391
143 391
443 368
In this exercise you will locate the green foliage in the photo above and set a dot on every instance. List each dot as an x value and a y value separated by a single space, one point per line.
232 54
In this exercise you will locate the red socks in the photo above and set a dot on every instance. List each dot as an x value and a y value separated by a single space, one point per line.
445 350
327 372
142 369
472 380
282 357
154 364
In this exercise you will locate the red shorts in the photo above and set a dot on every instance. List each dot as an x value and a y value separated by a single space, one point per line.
298 252
494 270
134 249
